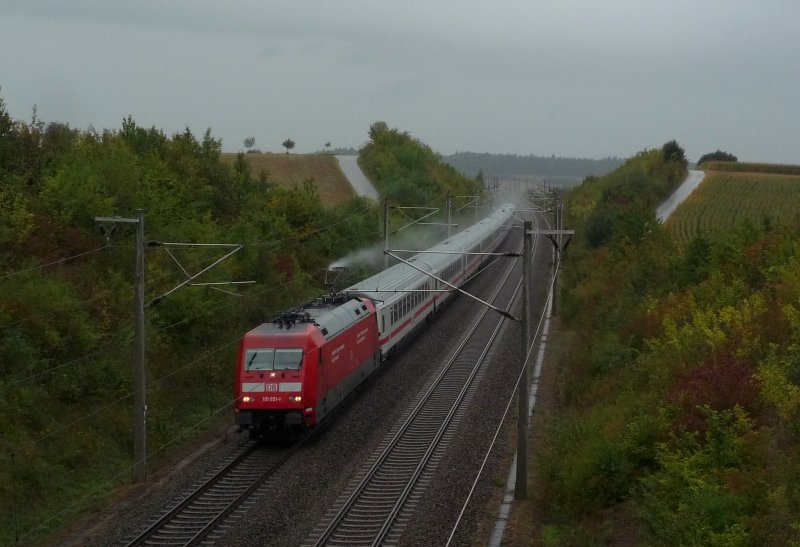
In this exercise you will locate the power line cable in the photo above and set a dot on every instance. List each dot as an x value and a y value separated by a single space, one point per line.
12 274
63 428
113 480
63 365
50 311
269 242
309 233
150 385
223 306
505 411
100 350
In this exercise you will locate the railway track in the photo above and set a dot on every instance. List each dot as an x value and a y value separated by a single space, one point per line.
200 513
379 503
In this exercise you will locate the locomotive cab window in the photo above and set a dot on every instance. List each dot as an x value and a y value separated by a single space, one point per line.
273 359
288 359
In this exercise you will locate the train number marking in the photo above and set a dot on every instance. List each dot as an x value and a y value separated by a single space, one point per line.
272 387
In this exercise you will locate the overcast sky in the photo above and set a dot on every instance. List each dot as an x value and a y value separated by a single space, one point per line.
578 78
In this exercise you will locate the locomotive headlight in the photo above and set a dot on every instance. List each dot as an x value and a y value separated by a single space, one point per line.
247 399
295 398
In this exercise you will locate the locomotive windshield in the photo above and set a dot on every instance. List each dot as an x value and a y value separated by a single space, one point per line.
273 359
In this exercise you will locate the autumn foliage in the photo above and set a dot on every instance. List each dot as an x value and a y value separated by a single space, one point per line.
681 421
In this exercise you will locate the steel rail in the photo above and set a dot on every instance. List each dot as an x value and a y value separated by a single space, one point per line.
338 520
212 493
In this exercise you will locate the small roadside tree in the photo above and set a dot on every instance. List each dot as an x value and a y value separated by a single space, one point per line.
672 151
249 143
328 146
288 144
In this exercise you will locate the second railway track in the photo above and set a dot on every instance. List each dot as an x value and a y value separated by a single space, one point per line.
378 505
197 515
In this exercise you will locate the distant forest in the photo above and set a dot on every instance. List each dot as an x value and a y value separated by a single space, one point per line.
515 166
553 169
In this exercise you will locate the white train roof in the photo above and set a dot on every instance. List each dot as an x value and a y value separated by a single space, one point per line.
384 285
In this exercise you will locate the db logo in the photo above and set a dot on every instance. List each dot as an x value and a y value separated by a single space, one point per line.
272 387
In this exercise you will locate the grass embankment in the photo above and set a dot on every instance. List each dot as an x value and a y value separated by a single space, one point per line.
290 170
725 200
681 389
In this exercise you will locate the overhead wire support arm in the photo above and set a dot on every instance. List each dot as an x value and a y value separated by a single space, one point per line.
190 278
462 291
433 211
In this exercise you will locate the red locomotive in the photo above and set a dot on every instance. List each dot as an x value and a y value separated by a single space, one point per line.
296 369
293 371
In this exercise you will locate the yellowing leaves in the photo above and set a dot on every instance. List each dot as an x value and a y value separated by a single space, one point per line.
710 331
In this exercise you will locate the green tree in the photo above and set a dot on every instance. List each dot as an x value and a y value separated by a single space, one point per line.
672 152
377 129
719 155
288 144
249 143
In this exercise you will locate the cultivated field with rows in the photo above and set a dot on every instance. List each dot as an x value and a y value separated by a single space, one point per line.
726 199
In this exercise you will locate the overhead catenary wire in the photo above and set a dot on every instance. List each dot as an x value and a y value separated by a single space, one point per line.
126 343
172 373
150 385
100 350
63 365
65 427
253 244
124 472
54 263
311 232
505 411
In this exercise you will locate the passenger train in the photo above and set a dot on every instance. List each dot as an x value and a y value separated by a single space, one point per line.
294 370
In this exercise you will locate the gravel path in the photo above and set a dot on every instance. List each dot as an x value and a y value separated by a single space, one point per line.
357 178
693 180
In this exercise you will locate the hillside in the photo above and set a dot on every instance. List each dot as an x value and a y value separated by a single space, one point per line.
67 291
680 391
289 170
67 296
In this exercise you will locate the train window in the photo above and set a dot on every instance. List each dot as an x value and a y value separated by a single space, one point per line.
288 358
259 359
273 359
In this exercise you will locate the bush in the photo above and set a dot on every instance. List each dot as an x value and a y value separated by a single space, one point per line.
719 155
